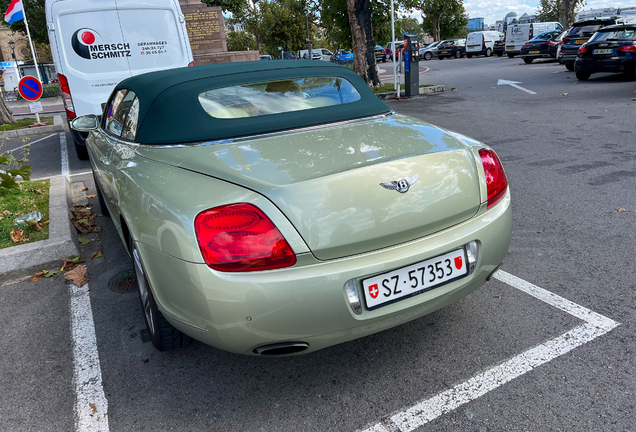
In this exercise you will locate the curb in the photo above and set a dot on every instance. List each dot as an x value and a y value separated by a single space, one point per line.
26 259
423 92
58 126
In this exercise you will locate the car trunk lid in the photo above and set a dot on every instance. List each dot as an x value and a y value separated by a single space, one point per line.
327 181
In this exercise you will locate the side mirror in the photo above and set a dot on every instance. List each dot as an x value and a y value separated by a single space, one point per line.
85 123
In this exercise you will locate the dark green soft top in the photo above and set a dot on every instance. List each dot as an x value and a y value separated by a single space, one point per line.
170 112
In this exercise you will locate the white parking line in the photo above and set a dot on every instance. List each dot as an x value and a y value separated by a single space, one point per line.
91 406
64 154
595 325
31 143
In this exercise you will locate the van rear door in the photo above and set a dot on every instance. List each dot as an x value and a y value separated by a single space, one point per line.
91 50
474 43
156 33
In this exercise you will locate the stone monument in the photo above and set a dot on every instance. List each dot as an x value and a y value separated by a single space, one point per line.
206 31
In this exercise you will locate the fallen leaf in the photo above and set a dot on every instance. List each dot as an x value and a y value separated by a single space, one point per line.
83 240
91 196
576 82
6 212
621 209
38 276
453 89
567 77
50 273
93 407
43 224
77 275
497 297
633 98
85 189
493 88
97 254
17 235
34 224
564 94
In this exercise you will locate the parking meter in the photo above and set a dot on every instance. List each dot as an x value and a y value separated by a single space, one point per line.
411 65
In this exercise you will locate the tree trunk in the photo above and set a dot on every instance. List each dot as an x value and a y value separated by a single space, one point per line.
566 14
436 28
6 116
363 46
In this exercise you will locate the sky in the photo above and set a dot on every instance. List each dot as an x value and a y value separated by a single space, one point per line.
493 10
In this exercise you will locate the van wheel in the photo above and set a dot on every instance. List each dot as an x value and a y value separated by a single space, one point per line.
488 52
458 54
528 60
569 66
511 55
469 55
582 76
427 56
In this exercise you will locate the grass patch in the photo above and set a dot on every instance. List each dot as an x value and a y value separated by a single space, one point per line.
32 196
388 87
24 123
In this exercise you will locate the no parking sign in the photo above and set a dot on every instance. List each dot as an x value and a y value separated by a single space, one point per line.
30 88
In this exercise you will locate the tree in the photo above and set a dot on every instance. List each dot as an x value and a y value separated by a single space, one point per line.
34 10
555 10
362 37
408 25
6 116
232 6
442 18
240 41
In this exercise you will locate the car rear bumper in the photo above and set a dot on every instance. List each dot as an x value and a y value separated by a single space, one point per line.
239 312
567 58
540 55
604 65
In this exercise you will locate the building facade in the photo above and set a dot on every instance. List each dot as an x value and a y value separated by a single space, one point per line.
475 24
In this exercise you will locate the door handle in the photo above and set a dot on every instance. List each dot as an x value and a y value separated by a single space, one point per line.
104 160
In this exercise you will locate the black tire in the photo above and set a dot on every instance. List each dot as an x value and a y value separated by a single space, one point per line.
100 199
488 52
511 55
582 76
569 66
458 54
469 55
428 55
499 54
528 60
440 58
160 332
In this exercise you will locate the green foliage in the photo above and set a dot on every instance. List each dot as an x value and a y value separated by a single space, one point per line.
443 19
233 6
240 41
34 10
552 10
10 167
408 25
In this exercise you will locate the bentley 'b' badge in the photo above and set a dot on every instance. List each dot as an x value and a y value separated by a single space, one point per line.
402 185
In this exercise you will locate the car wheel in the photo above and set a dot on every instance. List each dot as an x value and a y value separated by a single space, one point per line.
428 56
458 54
499 54
488 52
100 199
569 66
160 332
469 55
440 58
510 55
528 60
582 76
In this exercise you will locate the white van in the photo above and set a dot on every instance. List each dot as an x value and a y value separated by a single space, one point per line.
481 42
519 34
97 43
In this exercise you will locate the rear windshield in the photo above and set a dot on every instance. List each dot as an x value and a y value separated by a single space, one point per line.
616 35
547 36
275 97
587 30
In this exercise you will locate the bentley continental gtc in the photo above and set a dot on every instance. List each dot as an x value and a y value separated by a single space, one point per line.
274 208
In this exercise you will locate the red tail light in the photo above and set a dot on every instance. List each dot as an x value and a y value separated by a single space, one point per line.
496 182
582 50
628 48
191 64
239 238
552 43
525 45
565 39
66 97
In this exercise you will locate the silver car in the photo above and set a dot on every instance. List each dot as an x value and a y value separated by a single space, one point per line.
429 51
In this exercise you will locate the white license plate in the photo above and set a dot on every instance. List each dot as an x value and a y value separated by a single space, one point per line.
416 278
602 51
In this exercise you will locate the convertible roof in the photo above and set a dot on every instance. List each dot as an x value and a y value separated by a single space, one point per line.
169 110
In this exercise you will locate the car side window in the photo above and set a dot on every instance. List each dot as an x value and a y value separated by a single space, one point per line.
130 125
112 124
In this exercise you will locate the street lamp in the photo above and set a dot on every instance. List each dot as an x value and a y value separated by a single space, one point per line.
12 46
306 11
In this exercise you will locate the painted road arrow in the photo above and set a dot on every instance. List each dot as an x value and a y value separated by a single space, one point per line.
514 84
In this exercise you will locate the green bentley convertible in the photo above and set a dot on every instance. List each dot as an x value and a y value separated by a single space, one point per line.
274 208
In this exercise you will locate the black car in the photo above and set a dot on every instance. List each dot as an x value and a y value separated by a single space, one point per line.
379 54
611 49
544 45
580 32
499 48
289 55
451 48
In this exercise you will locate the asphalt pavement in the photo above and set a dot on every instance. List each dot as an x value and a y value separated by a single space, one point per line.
569 154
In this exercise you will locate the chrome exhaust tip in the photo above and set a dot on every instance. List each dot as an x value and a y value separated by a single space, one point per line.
281 349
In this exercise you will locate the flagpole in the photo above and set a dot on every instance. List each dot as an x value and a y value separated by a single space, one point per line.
35 62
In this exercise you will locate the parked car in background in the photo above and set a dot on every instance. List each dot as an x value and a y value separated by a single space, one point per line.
578 34
611 49
429 51
342 57
482 43
289 55
519 34
499 48
273 260
304 54
451 48
326 54
379 54
544 45
266 57
388 50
